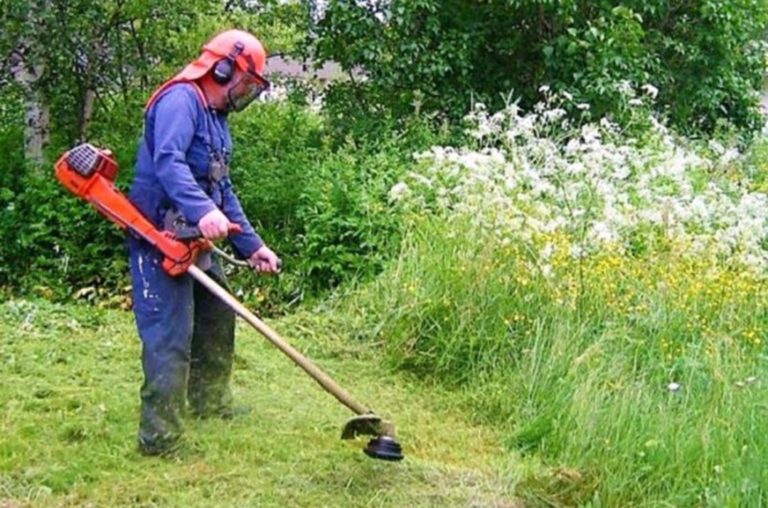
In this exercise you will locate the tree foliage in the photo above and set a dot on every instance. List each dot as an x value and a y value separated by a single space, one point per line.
89 51
101 54
92 64
706 56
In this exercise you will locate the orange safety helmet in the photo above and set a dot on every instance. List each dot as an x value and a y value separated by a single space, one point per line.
221 54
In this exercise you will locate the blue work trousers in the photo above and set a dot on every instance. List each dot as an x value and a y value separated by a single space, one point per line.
188 337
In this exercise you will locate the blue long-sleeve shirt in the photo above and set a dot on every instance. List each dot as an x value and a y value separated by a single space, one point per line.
172 169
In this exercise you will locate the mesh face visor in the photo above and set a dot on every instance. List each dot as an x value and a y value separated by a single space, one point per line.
247 89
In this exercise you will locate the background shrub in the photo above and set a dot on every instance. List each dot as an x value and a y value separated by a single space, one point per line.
706 58
321 202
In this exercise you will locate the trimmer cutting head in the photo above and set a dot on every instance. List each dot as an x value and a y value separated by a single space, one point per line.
383 446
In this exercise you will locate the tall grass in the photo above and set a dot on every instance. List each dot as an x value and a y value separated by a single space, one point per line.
639 380
597 293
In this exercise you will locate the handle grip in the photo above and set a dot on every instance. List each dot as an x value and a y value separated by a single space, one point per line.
189 233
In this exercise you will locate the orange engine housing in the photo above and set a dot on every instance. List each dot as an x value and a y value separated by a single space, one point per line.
89 173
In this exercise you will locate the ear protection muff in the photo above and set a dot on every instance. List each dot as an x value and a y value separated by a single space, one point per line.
225 68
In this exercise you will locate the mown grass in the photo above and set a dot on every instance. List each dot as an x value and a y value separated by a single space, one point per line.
69 398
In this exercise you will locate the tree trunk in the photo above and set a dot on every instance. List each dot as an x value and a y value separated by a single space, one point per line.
86 114
37 128
765 102
27 67
37 114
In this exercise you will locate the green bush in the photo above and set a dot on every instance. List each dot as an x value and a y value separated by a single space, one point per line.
320 202
348 228
11 141
54 244
276 150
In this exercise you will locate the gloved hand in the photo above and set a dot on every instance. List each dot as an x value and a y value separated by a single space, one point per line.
214 225
264 260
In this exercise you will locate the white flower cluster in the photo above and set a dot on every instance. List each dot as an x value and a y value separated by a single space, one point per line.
535 174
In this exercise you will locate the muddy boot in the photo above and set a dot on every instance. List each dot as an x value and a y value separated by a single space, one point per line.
160 447
162 405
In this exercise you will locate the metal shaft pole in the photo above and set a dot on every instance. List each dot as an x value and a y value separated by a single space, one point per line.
302 361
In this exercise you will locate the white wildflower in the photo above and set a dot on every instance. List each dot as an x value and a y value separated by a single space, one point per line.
650 90
716 147
625 88
674 387
577 252
608 125
553 115
536 184
399 191
590 134
729 156
602 232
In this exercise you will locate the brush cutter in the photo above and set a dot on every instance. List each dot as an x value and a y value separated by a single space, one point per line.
89 173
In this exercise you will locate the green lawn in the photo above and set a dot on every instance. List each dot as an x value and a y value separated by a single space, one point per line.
69 398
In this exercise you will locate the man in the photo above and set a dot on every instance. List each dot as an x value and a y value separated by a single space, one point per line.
182 176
